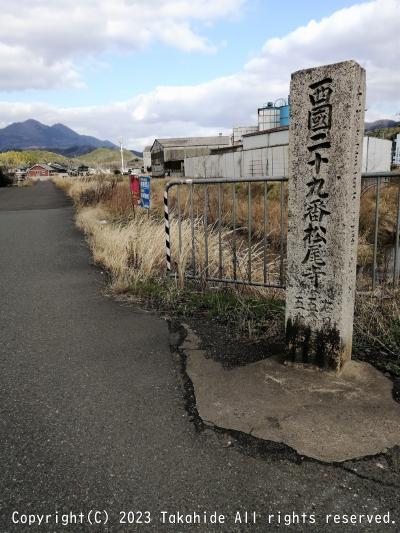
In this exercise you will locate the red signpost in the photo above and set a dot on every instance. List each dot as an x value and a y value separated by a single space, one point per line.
134 183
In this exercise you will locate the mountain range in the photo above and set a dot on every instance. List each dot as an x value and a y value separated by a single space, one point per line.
32 134
58 138
380 124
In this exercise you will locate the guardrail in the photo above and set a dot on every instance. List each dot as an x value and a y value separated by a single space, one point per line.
250 248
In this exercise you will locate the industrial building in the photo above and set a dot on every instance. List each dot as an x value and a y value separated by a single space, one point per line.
263 150
265 153
274 115
168 155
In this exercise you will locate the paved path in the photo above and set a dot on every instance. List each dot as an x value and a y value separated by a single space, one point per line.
92 414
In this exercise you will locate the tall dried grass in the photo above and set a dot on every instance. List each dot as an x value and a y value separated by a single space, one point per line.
131 246
387 215
113 195
209 204
377 324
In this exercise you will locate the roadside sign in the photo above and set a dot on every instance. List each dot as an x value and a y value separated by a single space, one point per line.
134 184
145 192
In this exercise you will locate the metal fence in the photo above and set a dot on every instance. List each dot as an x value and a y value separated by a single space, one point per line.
382 272
222 231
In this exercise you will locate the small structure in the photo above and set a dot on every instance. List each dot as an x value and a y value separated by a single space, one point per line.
274 115
168 155
147 159
59 168
376 154
239 131
20 173
45 170
82 170
41 170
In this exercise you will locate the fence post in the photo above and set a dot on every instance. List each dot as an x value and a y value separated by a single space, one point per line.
167 230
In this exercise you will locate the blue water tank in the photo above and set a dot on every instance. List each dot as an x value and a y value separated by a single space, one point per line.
284 117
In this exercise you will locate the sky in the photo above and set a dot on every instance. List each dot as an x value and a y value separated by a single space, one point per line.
136 70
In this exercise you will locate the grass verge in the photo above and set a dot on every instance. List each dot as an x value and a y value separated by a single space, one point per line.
132 250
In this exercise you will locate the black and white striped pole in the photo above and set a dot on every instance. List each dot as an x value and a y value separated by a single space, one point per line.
167 231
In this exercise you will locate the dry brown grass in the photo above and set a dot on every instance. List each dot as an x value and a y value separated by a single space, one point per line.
132 246
387 215
386 228
209 204
377 322
113 194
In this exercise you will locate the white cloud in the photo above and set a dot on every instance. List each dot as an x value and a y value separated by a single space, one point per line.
365 32
57 33
21 68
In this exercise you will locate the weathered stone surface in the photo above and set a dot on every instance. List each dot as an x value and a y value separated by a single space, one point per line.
325 154
320 414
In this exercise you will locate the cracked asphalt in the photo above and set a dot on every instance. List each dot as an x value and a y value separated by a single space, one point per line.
93 413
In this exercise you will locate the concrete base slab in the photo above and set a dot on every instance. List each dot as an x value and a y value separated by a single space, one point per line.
321 415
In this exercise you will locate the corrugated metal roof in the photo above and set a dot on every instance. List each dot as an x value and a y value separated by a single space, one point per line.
195 141
262 132
225 149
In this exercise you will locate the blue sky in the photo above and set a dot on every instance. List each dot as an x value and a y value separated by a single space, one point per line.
179 67
119 75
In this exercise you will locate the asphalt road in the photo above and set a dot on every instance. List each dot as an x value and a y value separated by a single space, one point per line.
92 411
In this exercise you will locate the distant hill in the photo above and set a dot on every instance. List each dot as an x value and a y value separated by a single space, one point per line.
57 138
74 151
28 158
380 124
385 133
110 158
98 158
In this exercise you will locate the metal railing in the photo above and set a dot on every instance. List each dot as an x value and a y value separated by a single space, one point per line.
248 249
384 178
249 262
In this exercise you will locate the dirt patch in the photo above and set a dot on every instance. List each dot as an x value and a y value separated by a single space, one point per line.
224 345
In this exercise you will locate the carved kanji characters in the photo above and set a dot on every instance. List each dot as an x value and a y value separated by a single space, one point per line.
321 92
299 303
316 210
320 118
314 255
314 273
316 186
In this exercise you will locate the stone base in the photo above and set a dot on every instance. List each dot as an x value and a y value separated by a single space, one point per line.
322 415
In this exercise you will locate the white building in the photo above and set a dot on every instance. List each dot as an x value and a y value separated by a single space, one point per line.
147 159
239 131
377 154
265 153
396 155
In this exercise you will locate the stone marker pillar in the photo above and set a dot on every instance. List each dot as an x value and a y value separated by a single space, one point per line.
325 155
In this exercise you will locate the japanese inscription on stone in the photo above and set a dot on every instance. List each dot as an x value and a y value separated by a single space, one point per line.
324 186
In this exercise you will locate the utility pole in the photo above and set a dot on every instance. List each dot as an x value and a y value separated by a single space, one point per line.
122 156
